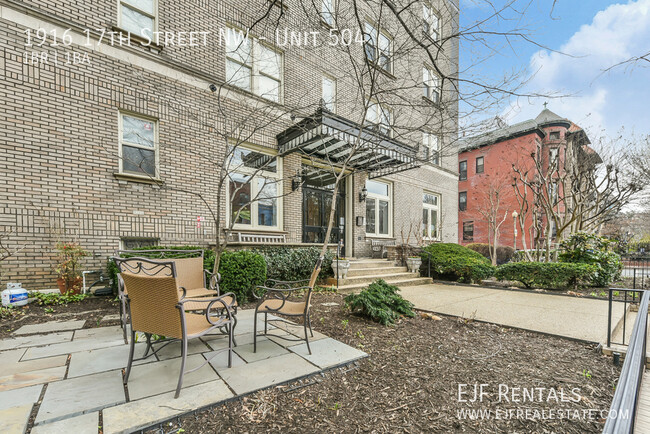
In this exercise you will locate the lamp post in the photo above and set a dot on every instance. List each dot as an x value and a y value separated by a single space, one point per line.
515 214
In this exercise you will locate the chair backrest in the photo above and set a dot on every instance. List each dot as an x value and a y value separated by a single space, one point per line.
189 272
152 303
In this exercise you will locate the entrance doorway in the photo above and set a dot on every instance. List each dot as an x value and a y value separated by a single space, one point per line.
317 192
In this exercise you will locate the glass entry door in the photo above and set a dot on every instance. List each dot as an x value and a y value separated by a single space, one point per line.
317 201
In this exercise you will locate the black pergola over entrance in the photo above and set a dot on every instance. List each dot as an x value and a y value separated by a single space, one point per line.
332 138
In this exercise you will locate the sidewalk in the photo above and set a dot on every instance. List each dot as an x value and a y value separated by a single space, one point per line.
573 317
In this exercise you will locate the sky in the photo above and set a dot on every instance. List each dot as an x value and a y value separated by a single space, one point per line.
579 40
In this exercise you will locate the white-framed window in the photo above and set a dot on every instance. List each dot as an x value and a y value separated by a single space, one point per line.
431 82
329 93
253 66
430 22
138 145
379 210
431 143
254 189
327 12
431 216
379 47
380 118
139 17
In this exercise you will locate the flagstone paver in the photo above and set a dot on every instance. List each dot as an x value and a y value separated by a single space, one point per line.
104 359
71 347
31 341
18 397
265 373
328 352
9 362
48 327
84 424
24 379
14 419
142 413
75 396
160 377
220 360
174 349
98 333
265 349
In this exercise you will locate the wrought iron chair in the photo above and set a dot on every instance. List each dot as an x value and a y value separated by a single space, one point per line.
157 308
190 275
275 300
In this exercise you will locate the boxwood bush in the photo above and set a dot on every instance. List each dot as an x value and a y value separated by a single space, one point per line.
380 302
285 263
451 261
584 248
504 253
241 272
547 275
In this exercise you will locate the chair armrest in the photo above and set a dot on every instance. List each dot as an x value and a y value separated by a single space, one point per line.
212 301
213 280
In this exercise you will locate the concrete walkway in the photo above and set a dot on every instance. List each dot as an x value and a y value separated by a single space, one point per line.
572 317
76 375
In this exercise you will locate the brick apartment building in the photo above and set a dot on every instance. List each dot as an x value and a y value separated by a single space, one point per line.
103 141
486 163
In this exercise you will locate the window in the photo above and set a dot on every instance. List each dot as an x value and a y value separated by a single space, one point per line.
329 93
430 22
253 66
138 17
378 208
430 216
378 48
479 165
553 193
555 135
468 231
431 85
138 148
462 201
380 118
431 143
254 189
552 155
327 12
462 170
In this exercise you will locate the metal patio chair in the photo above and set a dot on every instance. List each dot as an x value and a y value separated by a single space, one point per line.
276 300
157 308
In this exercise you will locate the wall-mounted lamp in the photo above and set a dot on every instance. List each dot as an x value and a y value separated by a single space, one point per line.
363 194
296 181
361 220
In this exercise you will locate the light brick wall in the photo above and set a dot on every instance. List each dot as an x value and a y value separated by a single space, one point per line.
59 137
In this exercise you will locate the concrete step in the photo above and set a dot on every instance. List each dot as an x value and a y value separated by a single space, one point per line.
357 272
347 289
370 263
369 279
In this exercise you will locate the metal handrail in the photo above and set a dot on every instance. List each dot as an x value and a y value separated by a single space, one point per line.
622 412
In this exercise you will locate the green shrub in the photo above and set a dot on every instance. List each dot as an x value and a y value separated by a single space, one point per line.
208 259
241 272
548 275
380 302
584 248
55 299
454 262
285 263
504 253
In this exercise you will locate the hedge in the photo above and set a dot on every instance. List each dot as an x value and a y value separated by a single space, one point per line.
585 248
504 253
241 272
548 275
454 262
285 263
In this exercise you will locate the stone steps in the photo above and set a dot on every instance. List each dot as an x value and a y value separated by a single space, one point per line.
363 272
375 271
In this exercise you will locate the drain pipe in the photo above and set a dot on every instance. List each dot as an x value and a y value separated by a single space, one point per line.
83 276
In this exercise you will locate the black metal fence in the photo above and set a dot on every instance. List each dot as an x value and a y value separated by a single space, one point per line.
636 271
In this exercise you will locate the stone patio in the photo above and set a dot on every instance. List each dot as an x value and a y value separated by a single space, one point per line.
76 375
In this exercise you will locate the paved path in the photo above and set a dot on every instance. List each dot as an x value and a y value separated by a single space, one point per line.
573 317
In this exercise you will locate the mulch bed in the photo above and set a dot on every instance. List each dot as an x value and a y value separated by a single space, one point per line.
92 309
411 380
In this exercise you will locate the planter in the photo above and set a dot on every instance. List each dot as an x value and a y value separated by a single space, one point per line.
340 268
73 286
414 264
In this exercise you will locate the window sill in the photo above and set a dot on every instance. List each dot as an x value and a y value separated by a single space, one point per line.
144 42
383 237
388 74
256 230
431 102
138 178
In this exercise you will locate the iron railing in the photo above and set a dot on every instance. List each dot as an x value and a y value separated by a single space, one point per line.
636 270
630 296
622 412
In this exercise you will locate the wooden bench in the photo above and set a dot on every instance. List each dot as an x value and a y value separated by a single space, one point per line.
379 247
